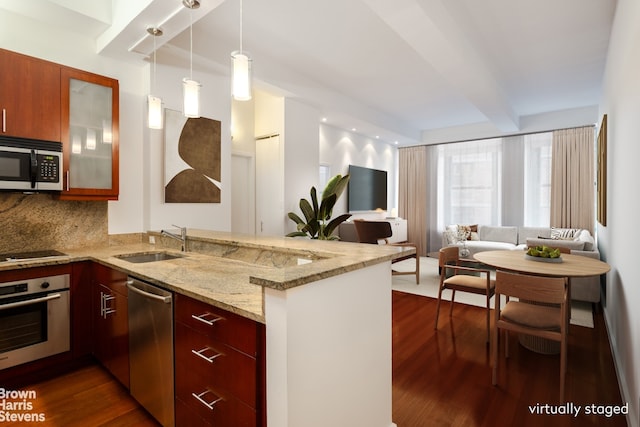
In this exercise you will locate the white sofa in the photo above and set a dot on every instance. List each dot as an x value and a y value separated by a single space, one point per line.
490 238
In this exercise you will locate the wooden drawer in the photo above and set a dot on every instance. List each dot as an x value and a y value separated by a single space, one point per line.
212 405
226 369
222 326
225 414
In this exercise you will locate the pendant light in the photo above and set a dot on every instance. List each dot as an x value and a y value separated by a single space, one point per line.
241 72
190 87
154 102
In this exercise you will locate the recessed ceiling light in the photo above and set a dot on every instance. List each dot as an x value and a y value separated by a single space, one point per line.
324 119
353 129
395 142
377 136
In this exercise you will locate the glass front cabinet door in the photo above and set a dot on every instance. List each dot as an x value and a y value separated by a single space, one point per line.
89 136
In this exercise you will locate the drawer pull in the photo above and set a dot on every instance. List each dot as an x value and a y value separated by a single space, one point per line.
202 319
204 402
200 353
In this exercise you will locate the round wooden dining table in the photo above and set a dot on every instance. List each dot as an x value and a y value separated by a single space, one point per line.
571 266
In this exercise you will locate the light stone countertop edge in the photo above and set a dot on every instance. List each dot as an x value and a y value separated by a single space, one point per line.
227 283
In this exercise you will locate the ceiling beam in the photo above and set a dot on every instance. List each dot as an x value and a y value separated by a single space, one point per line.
428 28
128 33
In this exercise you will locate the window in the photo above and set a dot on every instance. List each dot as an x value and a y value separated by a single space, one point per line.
499 181
324 177
469 187
537 179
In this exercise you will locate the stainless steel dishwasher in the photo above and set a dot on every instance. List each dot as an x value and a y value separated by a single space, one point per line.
151 349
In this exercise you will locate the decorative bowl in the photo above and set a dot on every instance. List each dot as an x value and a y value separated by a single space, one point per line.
541 259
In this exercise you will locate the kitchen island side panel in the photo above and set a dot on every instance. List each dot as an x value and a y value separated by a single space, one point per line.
329 351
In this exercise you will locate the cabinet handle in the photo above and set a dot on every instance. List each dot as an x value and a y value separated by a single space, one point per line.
200 353
67 179
204 402
104 308
202 319
4 120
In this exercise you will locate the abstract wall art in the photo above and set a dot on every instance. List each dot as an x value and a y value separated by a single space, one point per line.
192 170
602 172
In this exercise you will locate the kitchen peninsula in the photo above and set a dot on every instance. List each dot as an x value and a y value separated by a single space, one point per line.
325 307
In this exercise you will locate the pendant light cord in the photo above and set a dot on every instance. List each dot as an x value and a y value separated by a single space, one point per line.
154 63
240 26
191 43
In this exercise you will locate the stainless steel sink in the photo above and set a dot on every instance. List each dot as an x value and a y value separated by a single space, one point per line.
143 257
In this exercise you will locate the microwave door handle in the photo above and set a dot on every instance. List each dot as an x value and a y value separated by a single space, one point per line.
34 169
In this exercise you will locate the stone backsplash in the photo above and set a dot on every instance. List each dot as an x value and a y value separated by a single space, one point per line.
38 221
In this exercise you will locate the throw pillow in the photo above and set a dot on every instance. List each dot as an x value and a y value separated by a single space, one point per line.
564 233
469 230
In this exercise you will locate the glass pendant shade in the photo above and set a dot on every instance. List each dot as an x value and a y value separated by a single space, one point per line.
191 98
241 78
155 112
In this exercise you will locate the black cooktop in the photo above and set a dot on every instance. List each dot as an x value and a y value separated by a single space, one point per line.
47 253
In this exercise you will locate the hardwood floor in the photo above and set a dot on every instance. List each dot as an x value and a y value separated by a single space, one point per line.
89 396
440 378
443 378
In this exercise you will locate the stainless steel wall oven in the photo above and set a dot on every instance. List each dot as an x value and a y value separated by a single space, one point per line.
34 319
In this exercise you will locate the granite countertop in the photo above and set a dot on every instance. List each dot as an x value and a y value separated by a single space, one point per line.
229 270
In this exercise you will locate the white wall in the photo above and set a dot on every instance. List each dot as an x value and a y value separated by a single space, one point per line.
215 104
340 148
301 155
621 102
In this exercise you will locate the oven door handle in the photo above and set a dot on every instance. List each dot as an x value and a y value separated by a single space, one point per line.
29 301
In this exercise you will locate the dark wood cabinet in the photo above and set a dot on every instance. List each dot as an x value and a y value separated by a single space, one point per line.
81 278
90 136
29 97
47 101
110 321
219 366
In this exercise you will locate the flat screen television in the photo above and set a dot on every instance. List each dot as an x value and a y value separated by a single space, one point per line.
367 189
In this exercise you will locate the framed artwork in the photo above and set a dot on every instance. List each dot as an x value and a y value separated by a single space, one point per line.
602 172
192 160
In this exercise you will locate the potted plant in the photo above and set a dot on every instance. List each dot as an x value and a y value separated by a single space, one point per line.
317 223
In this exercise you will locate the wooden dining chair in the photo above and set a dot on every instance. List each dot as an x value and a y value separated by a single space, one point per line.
453 277
540 311
374 232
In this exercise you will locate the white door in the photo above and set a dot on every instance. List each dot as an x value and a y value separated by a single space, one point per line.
243 200
270 216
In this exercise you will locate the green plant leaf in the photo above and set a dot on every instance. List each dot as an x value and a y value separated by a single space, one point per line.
334 223
308 212
326 207
314 201
295 218
315 219
297 234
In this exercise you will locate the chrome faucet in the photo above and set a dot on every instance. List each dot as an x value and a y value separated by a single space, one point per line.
182 237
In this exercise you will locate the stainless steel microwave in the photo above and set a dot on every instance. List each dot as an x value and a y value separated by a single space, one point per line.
30 165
